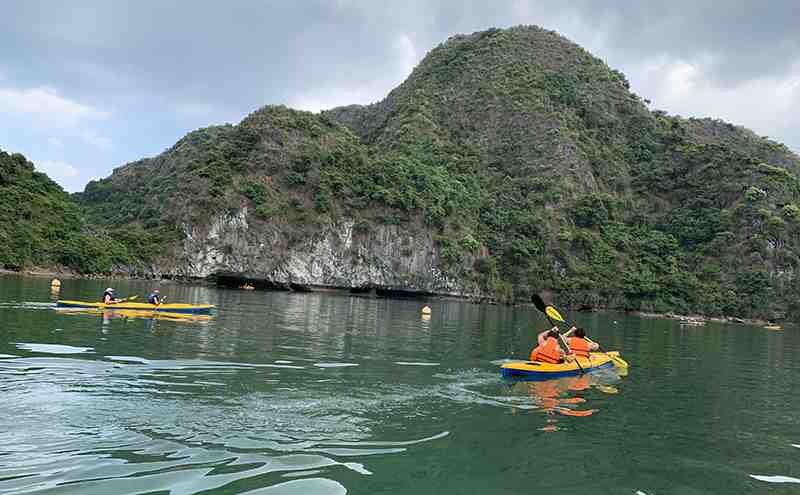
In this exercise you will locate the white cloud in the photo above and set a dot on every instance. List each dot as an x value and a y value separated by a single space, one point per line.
404 58
767 105
92 137
55 142
194 109
46 107
65 174
406 54
680 80
202 114
57 168
323 99
68 176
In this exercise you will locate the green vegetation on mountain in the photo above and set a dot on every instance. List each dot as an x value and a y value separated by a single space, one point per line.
573 186
40 225
530 162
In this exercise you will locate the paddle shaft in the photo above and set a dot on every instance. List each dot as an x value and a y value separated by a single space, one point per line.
126 299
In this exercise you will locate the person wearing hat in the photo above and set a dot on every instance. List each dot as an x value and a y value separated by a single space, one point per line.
108 297
154 298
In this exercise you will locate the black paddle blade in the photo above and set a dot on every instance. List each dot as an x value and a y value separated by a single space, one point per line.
539 303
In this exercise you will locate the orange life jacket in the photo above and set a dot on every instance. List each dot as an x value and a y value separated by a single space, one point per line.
547 352
579 346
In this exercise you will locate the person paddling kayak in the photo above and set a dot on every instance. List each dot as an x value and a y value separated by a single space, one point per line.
109 298
580 344
154 298
548 350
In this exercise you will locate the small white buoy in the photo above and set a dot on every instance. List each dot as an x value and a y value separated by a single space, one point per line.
426 310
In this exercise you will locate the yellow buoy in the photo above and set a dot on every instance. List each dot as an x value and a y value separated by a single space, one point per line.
426 310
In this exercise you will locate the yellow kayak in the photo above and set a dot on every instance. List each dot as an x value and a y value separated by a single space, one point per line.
133 314
134 306
535 370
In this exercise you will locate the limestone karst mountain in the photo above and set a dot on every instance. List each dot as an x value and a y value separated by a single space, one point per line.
510 161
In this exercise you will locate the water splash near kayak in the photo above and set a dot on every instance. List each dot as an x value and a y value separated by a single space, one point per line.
309 486
53 348
775 479
27 305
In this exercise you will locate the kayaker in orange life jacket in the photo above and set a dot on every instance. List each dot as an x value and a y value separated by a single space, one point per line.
580 344
548 350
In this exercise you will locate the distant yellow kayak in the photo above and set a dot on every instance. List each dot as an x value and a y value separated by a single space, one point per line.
536 370
134 306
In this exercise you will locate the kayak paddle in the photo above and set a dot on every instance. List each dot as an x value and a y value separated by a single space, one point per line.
132 298
553 313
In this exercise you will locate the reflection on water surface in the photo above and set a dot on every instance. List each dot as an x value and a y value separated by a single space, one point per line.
307 393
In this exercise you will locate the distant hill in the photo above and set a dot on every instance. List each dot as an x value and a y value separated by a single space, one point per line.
41 226
509 162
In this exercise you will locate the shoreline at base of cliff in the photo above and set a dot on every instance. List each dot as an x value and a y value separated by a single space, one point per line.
695 319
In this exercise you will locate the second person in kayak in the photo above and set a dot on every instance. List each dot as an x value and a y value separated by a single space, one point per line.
580 344
548 350
154 298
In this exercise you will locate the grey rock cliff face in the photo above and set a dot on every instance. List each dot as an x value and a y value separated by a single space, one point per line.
337 256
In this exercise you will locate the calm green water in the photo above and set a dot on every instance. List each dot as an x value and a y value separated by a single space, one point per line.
310 394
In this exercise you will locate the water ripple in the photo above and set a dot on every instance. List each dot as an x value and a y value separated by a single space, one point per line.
53 348
151 443
775 479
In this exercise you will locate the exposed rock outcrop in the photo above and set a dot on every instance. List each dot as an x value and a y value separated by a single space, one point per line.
336 257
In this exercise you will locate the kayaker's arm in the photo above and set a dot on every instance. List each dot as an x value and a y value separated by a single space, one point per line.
543 335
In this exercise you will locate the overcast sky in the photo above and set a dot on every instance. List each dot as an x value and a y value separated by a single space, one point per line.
86 86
